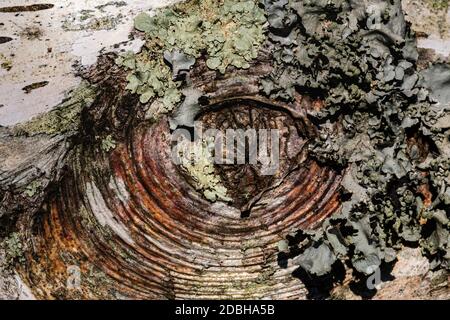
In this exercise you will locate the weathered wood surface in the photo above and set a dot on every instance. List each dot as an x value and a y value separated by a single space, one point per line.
48 46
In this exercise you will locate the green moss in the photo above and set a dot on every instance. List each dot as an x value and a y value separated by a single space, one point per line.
62 119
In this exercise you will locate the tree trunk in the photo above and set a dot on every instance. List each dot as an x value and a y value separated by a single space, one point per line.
161 241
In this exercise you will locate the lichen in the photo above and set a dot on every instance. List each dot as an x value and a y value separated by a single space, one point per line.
32 188
32 33
5 63
108 143
14 249
87 20
360 60
35 85
438 4
111 4
63 118
197 162
378 122
96 278
230 32
150 78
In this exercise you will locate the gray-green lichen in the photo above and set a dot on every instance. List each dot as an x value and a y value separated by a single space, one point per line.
108 143
379 124
150 77
32 188
197 161
63 118
228 32
14 249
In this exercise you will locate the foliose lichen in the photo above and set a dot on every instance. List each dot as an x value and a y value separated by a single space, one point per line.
384 124
14 249
32 188
62 119
228 32
150 77
197 161
108 143
380 125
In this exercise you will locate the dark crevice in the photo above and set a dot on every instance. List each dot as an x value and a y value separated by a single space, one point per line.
5 39
30 8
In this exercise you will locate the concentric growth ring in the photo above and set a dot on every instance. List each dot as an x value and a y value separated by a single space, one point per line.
128 224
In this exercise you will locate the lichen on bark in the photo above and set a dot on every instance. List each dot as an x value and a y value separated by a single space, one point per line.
364 157
228 32
64 118
361 60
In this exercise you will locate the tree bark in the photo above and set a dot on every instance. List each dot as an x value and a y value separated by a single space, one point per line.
46 51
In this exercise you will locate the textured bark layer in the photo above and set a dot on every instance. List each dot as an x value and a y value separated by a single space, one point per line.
135 227
165 240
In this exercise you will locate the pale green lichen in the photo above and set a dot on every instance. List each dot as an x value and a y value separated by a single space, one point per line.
197 162
62 119
108 143
90 20
230 31
150 78
32 188
438 4
14 249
